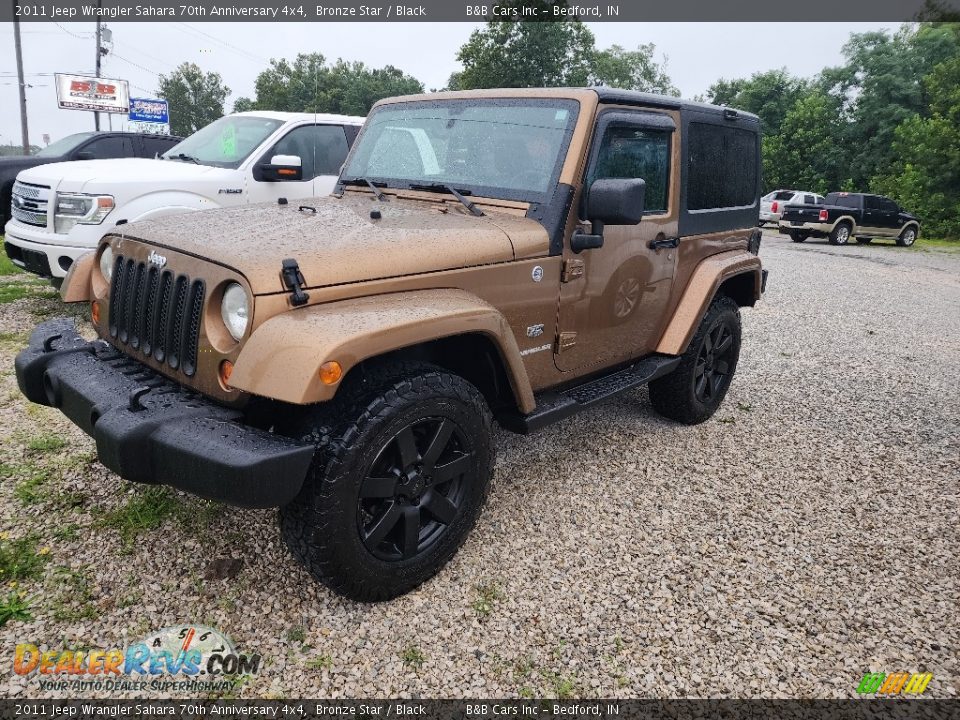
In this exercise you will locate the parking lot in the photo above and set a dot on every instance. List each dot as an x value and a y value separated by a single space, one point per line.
804 536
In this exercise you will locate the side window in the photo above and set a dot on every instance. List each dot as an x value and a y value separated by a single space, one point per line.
721 167
821 200
870 203
888 205
155 144
808 200
321 148
636 152
109 147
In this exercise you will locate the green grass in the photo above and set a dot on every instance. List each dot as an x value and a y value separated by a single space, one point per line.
46 443
15 606
77 596
20 559
413 656
487 596
321 662
6 266
145 510
940 243
297 633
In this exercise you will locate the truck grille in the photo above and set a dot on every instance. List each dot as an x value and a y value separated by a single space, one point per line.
157 313
29 203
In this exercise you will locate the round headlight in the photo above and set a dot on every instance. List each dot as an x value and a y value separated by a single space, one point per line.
235 310
106 263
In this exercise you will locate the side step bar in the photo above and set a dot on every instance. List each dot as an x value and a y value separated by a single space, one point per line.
554 406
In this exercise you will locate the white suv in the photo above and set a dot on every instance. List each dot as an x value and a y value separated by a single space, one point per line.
772 204
61 210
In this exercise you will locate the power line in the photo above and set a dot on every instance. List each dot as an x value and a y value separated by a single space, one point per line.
244 53
73 34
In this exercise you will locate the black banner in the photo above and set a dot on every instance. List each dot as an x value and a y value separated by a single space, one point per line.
485 709
478 11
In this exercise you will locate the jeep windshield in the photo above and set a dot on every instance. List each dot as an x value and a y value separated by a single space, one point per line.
499 148
225 143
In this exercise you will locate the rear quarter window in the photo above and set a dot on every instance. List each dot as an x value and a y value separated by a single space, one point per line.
721 167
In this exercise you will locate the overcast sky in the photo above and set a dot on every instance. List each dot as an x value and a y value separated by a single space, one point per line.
696 55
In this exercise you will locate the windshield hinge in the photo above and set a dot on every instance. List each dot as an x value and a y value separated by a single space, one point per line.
293 279
572 269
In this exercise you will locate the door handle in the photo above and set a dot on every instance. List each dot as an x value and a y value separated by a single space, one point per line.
664 244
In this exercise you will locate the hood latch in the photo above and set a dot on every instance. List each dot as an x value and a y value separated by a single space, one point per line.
293 279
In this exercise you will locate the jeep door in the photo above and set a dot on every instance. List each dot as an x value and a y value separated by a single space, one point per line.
321 149
613 298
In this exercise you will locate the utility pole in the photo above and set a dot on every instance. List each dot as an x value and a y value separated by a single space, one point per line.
21 84
96 115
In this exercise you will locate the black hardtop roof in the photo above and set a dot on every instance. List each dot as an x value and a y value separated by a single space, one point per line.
635 97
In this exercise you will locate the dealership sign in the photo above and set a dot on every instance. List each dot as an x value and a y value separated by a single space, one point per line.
79 92
150 115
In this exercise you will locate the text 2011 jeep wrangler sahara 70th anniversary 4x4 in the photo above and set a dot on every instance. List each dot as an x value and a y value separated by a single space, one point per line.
507 254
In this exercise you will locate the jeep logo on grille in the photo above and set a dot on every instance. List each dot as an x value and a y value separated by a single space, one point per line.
158 260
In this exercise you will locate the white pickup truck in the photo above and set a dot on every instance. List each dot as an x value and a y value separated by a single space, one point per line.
61 210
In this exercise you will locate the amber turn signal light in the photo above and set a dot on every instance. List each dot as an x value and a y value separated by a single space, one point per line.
226 370
330 372
95 312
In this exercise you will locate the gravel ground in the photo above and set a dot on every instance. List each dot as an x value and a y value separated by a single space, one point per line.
805 535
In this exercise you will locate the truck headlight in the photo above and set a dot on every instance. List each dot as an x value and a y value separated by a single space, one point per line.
74 208
106 263
235 310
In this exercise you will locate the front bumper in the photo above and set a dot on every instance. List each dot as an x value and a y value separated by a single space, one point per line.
33 251
149 429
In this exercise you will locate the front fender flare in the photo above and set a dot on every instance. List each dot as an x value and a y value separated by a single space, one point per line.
282 357
707 278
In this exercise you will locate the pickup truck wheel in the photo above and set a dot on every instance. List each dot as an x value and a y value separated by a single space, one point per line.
695 389
798 236
401 472
840 235
908 237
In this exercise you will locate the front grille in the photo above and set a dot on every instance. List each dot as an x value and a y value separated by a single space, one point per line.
29 203
157 313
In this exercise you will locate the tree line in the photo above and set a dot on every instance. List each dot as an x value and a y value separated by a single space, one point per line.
887 120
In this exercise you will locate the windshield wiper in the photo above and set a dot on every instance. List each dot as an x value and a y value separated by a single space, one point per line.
184 157
378 193
458 194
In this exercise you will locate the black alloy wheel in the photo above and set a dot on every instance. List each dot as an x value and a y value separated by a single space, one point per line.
712 371
414 489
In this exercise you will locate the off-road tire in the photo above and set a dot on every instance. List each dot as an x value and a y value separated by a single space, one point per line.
908 236
323 526
841 234
675 395
797 236
864 241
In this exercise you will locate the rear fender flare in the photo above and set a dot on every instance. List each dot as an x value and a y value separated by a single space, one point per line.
704 283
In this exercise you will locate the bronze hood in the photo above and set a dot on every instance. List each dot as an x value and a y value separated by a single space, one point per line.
339 240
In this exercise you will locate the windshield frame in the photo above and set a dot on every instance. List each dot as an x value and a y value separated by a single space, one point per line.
572 105
78 139
173 152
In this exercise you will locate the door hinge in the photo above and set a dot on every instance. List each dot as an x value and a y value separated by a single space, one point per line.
572 269
565 341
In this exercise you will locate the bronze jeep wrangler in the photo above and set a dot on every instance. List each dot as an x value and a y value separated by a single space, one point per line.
515 255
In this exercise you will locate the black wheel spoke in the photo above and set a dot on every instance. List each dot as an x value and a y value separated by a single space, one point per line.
383 526
407 444
724 344
714 384
700 367
378 487
453 469
441 508
701 386
411 531
438 444
708 342
722 367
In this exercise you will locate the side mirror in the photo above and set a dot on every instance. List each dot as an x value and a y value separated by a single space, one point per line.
617 201
85 155
283 167
610 201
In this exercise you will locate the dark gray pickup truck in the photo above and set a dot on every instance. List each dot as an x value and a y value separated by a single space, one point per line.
845 215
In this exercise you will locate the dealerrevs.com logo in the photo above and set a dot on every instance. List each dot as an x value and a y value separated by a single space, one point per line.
898 683
185 657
